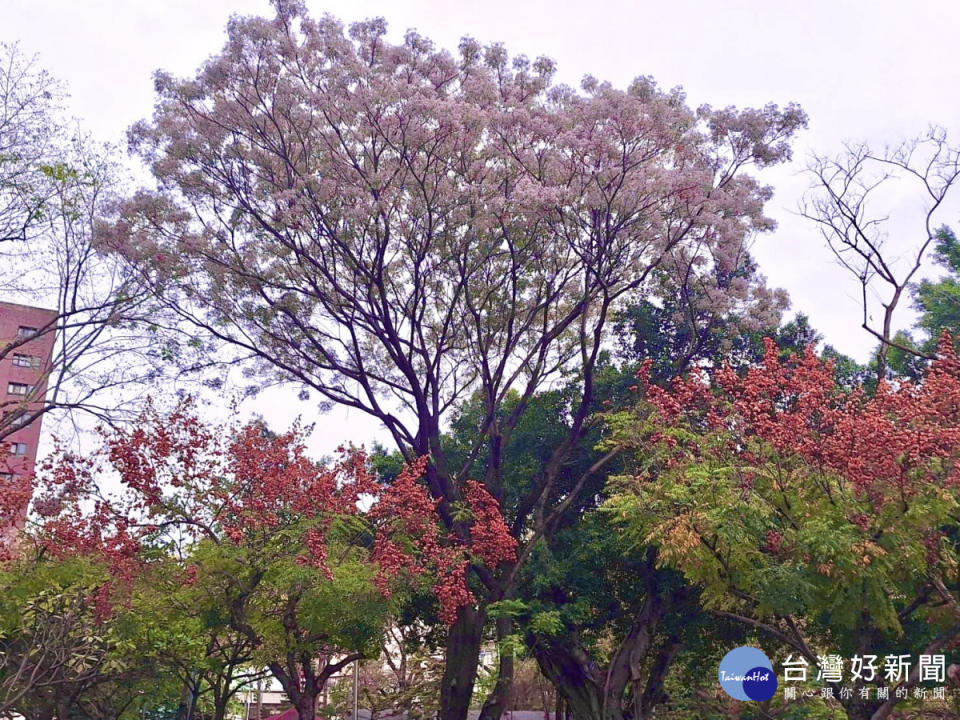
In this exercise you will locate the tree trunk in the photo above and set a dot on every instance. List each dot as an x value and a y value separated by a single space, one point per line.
220 706
307 705
301 691
499 697
460 669
187 709
573 679
598 694
654 693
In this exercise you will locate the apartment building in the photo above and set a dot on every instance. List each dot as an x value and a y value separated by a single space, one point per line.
26 343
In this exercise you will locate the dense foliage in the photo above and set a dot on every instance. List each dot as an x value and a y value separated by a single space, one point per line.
823 516
267 558
610 459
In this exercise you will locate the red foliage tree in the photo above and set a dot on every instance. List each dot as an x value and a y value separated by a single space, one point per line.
818 515
885 445
184 482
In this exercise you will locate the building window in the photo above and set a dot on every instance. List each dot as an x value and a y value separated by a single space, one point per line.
27 331
16 418
18 448
26 361
19 389
6 476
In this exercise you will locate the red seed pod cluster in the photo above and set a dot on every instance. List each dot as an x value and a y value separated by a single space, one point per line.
886 445
241 485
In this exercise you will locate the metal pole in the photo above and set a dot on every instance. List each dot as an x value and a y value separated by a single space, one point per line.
356 689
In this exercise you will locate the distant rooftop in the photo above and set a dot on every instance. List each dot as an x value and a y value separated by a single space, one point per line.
5 303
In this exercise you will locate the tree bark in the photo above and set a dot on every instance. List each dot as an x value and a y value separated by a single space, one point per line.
460 669
220 706
573 680
654 693
499 697
595 693
307 705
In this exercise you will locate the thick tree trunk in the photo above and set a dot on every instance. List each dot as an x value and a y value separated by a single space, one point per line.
306 705
300 690
220 706
499 697
460 669
654 693
595 693
573 675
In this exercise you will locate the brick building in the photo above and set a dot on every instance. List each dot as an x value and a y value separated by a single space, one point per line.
23 384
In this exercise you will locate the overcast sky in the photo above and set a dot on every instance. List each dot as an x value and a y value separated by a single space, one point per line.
877 70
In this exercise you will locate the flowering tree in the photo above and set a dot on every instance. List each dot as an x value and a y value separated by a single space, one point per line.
64 584
283 545
398 229
54 180
822 517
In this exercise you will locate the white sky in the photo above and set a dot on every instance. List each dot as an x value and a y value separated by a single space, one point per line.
863 70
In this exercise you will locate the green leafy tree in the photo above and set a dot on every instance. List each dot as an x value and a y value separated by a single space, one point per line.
939 300
605 626
303 625
938 304
824 519
57 642
185 628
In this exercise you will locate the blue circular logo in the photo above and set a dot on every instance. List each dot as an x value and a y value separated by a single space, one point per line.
746 674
